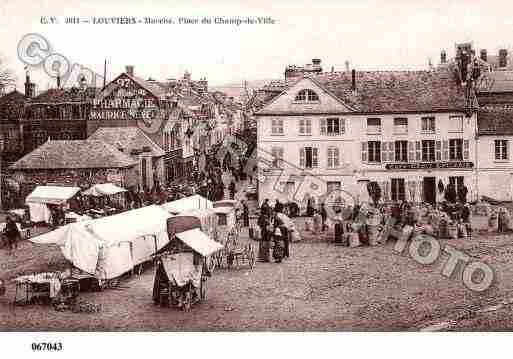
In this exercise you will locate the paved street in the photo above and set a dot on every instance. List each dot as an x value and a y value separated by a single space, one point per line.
321 287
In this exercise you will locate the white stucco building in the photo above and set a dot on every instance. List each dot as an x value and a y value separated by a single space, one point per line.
411 131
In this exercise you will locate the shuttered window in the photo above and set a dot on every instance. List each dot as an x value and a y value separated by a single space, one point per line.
374 151
364 151
333 157
323 126
277 154
305 127
277 127
308 157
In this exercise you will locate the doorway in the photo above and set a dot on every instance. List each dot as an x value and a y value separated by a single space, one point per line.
430 190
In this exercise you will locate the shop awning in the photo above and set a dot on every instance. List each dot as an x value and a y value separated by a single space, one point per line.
199 241
51 194
103 189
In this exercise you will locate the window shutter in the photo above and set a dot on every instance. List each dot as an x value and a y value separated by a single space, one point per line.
323 126
466 146
330 162
384 153
418 151
342 125
301 126
302 157
336 161
314 157
438 150
391 148
411 151
445 148
364 151
308 126
281 126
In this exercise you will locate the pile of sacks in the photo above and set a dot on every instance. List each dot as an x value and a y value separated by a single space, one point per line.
500 220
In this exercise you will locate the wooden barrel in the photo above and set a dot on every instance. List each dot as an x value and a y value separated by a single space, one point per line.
452 231
373 233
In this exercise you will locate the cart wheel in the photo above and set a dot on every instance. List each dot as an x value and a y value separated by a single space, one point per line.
203 290
251 258
211 264
187 301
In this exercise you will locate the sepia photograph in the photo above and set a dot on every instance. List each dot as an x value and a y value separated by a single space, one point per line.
264 167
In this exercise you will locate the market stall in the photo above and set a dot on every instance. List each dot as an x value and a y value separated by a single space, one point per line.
110 246
182 272
42 197
103 191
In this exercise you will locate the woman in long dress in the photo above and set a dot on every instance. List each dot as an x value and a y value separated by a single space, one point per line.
263 248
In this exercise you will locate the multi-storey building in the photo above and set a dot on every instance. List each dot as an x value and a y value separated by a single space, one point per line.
412 132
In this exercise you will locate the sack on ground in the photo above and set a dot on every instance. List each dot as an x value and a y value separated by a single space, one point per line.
295 236
354 239
308 225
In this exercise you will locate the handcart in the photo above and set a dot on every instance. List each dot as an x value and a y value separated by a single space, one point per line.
182 270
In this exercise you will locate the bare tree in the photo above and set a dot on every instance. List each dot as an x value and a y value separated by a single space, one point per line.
7 76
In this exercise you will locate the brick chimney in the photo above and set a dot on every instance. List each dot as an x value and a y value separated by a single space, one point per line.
30 88
484 55
316 65
443 57
353 81
503 58
129 69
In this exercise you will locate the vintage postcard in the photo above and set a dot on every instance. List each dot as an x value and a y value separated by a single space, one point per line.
285 166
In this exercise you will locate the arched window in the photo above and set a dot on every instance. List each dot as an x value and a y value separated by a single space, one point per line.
306 96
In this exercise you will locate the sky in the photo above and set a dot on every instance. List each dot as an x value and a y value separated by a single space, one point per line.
371 35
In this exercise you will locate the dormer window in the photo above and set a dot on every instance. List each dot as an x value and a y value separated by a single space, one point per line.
306 96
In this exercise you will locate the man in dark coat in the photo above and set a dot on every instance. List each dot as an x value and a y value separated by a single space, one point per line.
245 214
278 207
231 188
265 208
12 233
324 216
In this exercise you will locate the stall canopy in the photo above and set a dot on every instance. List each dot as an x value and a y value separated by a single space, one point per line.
51 194
110 246
199 242
187 203
103 189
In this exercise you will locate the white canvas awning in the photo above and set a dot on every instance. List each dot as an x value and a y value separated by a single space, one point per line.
187 204
199 241
51 194
110 246
103 189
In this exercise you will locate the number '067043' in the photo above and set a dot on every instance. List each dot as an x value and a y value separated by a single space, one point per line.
57 346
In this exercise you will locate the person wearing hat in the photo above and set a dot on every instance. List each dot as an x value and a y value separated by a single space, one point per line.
278 250
12 233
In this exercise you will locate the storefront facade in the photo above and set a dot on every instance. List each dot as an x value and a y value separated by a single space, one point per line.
314 139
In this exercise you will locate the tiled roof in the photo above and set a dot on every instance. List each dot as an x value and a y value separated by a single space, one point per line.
73 154
153 86
128 138
388 91
495 120
60 95
495 82
11 105
12 97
